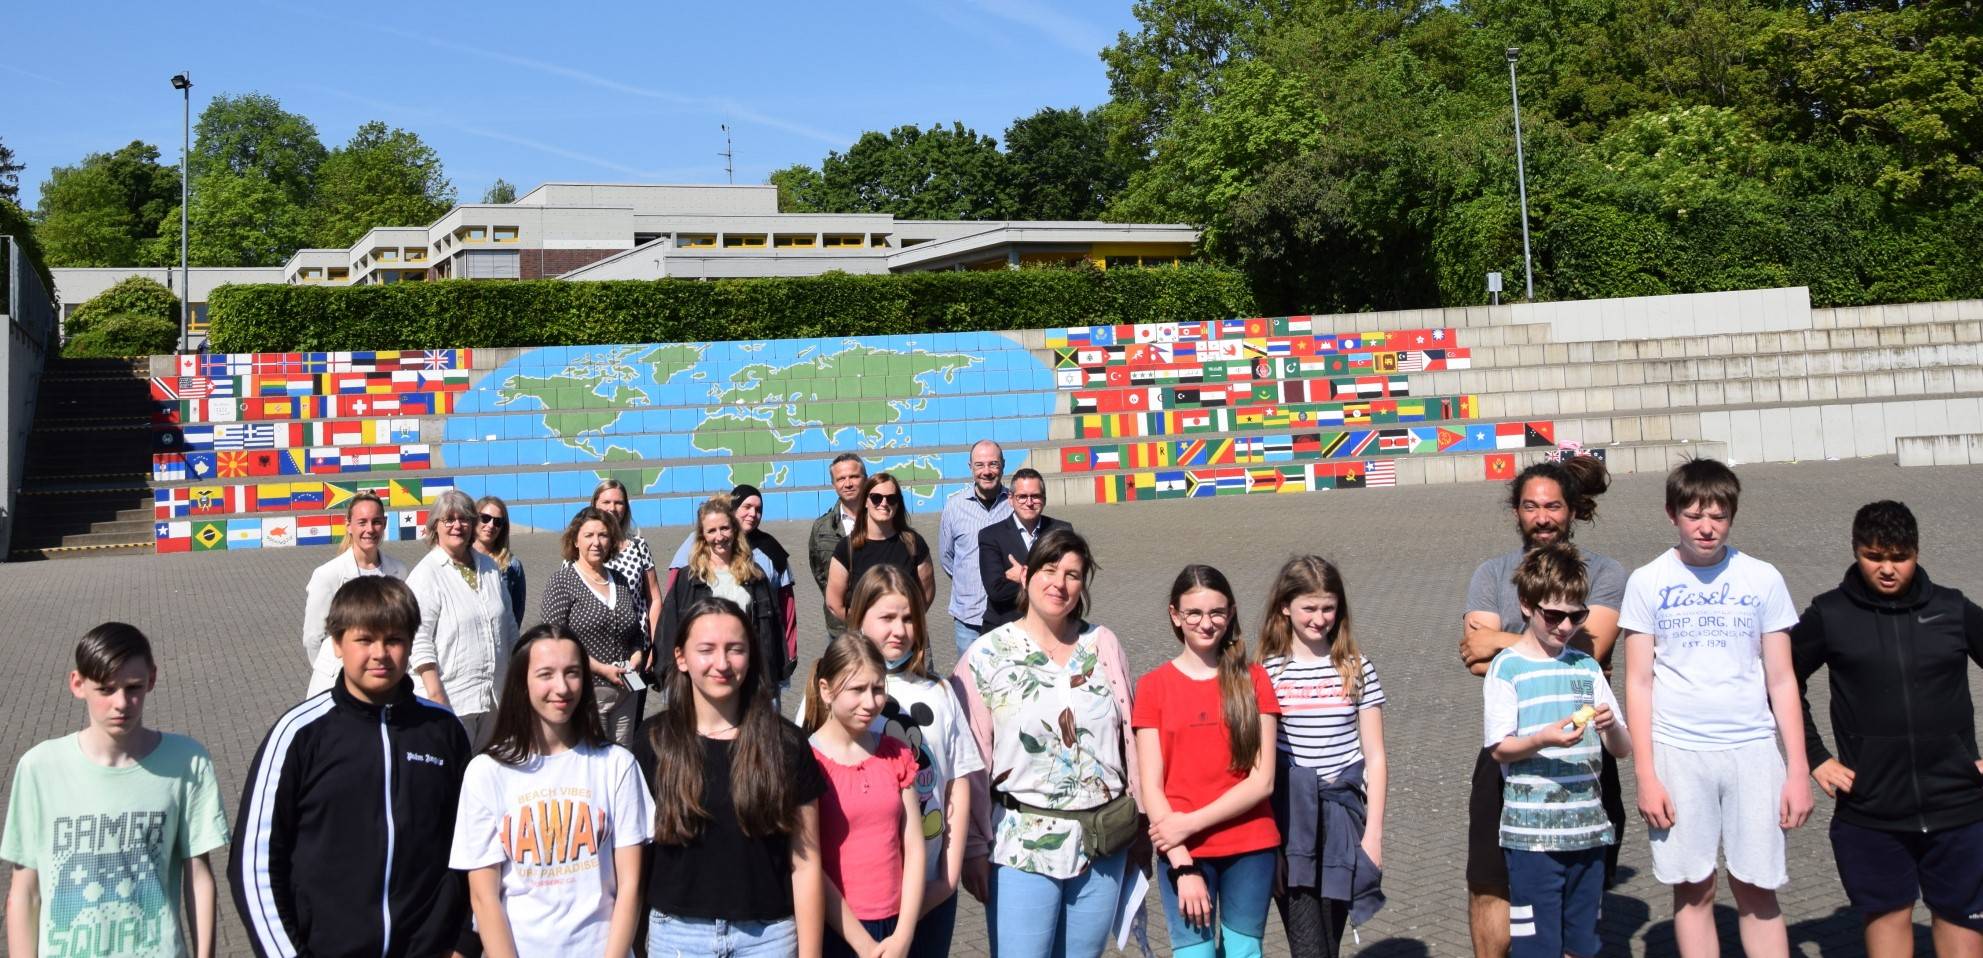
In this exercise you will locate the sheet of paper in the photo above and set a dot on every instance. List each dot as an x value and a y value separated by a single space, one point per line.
1130 921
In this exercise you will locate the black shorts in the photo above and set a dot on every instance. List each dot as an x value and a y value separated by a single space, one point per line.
1887 871
1486 866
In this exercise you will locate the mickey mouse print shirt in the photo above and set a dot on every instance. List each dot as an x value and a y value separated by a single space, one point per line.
923 714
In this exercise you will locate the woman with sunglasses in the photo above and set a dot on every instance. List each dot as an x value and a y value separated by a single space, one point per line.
882 537
492 539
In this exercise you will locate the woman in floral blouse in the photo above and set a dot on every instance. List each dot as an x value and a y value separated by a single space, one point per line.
1055 815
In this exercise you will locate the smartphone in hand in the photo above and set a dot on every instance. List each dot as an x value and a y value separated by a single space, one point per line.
633 681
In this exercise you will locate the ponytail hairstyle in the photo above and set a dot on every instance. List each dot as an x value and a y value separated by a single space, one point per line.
844 657
1582 479
880 582
513 740
702 562
1313 575
1237 695
759 789
351 509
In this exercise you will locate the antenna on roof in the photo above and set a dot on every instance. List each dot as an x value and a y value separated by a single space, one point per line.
729 156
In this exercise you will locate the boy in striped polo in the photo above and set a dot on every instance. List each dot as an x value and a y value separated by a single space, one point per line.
1543 701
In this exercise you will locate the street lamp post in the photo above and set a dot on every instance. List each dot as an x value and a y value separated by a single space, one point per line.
1521 175
184 84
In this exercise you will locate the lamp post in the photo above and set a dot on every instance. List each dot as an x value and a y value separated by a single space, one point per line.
1521 176
183 82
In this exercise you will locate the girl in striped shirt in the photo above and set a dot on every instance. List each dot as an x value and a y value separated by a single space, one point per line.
1331 771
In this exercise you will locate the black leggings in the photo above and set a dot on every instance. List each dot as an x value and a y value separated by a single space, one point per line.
1314 924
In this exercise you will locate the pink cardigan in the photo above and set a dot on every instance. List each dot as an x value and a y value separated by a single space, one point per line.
1114 666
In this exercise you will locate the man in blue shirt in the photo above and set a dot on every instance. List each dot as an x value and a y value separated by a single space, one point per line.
967 511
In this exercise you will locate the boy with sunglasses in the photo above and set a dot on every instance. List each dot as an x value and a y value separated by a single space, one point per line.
1549 717
1709 686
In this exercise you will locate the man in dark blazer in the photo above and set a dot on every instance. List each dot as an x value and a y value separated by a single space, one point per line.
1002 547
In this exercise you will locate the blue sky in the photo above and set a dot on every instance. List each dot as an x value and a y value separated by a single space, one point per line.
626 92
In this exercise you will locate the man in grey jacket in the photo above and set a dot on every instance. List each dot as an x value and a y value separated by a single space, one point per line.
849 473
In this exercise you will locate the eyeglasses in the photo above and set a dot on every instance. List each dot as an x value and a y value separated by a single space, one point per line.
1555 617
1029 497
1198 616
489 520
881 498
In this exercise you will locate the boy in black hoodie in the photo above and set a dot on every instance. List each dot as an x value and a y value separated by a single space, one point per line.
348 814
1909 821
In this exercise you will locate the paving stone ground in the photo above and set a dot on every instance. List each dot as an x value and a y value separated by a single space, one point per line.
227 629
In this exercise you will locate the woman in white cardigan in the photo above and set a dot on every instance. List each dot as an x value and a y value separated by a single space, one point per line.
364 528
466 626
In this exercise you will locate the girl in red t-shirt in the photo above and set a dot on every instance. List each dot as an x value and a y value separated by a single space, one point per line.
870 819
1205 740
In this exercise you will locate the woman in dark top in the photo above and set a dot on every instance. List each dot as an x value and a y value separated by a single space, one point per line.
492 538
736 825
882 537
720 566
596 603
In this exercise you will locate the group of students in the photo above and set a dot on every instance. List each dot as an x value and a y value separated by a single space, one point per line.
508 800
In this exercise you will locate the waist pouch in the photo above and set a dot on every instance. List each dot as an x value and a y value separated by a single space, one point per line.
1105 829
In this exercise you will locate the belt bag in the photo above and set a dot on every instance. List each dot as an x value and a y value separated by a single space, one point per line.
1105 829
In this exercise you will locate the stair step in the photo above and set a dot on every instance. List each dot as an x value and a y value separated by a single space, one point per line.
25 554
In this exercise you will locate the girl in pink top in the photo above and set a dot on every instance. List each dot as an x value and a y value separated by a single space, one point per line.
870 819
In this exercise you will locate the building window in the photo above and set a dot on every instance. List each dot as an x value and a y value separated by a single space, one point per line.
489 265
503 234
880 241
311 275
474 234
386 255
197 322
695 241
845 241
743 241
415 254
795 240
339 274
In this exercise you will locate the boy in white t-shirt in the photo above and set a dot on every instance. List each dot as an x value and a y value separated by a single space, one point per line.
1709 688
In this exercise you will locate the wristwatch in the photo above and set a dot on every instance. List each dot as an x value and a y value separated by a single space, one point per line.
1179 871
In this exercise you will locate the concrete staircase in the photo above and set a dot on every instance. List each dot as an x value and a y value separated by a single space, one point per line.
86 488
1422 396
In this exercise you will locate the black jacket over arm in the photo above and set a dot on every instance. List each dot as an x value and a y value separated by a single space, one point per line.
1900 706
997 543
767 622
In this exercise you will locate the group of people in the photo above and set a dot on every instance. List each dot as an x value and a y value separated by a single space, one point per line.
450 786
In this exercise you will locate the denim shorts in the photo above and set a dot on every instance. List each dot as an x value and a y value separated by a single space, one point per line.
672 936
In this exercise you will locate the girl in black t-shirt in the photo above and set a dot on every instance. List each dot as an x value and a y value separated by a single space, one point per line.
882 537
736 803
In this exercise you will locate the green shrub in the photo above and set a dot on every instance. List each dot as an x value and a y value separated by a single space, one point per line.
455 313
14 222
136 296
124 335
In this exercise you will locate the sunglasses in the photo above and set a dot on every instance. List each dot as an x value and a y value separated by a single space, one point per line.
881 498
497 521
1554 617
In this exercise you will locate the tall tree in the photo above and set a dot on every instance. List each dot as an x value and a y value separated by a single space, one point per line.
106 210
237 220
1062 165
382 177
800 189
252 135
939 173
501 191
10 176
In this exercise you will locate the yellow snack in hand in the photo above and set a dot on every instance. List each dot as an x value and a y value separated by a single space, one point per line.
1583 716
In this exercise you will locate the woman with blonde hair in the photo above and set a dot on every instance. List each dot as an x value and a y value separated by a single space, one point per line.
359 555
720 566
492 539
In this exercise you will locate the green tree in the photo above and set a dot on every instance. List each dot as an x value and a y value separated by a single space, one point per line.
1169 67
135 296
382 177
799 189
502 191
939 173
106 210
10 176
1062 165
252 135
237 220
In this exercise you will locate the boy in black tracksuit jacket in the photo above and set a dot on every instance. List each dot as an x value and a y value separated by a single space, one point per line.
348 812
1909 821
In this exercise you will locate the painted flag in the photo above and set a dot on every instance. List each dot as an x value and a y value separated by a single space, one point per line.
313 530
1508 435
168 467
1500 466
170 503
244 534
1108 457
201 465
209 536
409 525
403 493
231 465
278 532
274 496
1381 472
431 489
172 536
322 460
1539 435
1074 459
264 462
306 496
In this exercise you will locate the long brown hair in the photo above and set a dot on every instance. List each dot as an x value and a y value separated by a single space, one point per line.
499 549
759 787
910 541
702 563
1238 699
885 580
513 739
1313 575
842 657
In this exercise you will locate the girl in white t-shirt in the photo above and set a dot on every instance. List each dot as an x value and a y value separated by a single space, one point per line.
1332 737
552 815
887 608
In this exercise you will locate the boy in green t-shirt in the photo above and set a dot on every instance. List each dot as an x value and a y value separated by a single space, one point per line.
99 821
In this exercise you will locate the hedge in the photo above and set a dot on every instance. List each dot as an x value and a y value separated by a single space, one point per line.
133 296
486 313
124 335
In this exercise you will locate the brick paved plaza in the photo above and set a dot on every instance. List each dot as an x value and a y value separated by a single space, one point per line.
227 630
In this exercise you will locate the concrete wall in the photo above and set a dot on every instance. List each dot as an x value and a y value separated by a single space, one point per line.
27 332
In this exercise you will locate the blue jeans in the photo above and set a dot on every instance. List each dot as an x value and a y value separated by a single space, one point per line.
1240 887
1033 916
965 633
933 932
671 936
877 928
